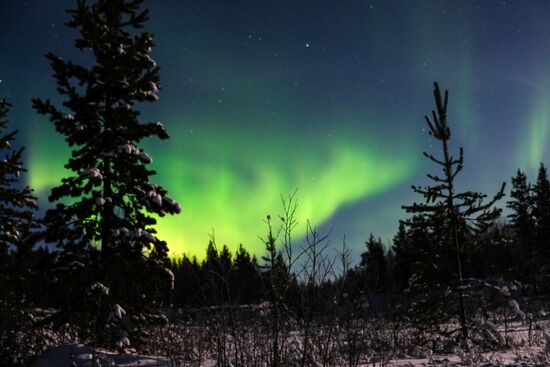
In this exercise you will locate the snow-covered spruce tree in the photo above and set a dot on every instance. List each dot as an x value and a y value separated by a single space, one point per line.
17 209
103 214
460 213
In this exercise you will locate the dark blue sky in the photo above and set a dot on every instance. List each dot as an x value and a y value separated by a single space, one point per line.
263 97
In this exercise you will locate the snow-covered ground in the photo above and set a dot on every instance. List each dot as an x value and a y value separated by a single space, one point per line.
179 344
82 356
73 355
78 355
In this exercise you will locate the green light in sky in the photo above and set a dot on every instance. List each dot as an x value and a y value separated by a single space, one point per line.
47 154
532 151
229 181
429 48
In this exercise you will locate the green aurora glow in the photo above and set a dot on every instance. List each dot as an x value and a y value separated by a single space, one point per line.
537 132
230 188
261 98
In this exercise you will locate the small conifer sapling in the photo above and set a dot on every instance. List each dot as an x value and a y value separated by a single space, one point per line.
456 213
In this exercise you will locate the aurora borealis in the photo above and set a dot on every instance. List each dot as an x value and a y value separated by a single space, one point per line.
264 97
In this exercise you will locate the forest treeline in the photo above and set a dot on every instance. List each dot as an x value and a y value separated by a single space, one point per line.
516 248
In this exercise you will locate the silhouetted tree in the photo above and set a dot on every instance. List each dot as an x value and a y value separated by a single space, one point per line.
187 287
213 275
431 274
373 262
402 269
460 213
108 200
246 281
497 255
226 259
522 225
212 259
541 216
17 209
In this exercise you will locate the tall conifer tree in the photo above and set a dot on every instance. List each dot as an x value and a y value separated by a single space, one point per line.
17 209
541 215
108 201
522 225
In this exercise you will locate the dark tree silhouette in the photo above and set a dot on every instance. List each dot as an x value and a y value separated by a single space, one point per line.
460 213
402 268
246 281
214 276
17 209
541 215
108 201
187 272
523 226
374 265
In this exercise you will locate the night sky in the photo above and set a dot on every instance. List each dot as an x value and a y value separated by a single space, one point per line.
263 97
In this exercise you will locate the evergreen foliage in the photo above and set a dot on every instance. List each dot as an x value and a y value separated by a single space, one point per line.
220 279
522 224
17 221
496 255
17 205
375 266
403 252
457 214
17 210
246 281
109 200
541 216
187 286
216 273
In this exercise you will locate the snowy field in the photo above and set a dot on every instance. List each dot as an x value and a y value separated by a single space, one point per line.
525 348
83 356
